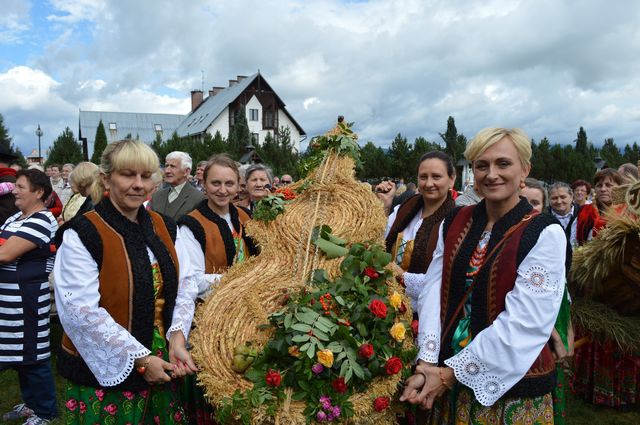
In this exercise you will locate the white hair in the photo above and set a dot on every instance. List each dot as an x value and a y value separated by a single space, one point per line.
183 157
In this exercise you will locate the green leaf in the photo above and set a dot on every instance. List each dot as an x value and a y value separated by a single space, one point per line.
339 300
301 338
343 368
330 249
311 351
362 329
335 347
302 327
321 335
288 319
348 375
305 346
357 369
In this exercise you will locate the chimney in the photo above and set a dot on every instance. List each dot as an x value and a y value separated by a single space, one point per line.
215 90
196 99
233 83
241 77
211 93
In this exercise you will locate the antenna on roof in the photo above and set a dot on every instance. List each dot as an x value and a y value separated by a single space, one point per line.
202 71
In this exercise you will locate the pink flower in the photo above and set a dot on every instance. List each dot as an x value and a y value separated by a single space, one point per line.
144 393
71 404
156 419
177 416
128 394
83 407
111 409
100 394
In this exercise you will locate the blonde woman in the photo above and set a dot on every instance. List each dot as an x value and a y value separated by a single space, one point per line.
116 275
490 299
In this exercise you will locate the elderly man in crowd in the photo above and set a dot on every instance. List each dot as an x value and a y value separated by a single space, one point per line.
180 197
66 192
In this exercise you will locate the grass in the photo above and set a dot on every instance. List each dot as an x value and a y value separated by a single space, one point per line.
578 412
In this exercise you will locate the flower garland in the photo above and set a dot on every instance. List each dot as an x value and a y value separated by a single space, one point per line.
331 340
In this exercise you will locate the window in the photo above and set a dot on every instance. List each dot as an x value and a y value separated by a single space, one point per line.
253 115
112 126
268 119
157 128
255 139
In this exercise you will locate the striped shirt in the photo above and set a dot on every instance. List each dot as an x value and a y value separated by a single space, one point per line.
24 291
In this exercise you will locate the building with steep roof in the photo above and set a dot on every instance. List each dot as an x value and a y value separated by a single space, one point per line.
265 111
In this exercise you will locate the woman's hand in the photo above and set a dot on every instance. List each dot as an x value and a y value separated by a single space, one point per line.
385 191
155 369
180 357
426 389
557 347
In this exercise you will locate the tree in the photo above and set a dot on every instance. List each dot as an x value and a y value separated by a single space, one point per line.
5 141
611 154
632 153
375 163
400 154
65 149
455 143
581 142
239 135
99 144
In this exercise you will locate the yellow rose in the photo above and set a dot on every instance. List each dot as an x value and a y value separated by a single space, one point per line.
294 351
395 300
398 331
325 358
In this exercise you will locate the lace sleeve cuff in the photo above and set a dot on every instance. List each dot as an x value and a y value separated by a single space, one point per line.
207 284
414 282
473 373
107 348
428 348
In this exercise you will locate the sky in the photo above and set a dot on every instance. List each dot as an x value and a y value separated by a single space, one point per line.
405 66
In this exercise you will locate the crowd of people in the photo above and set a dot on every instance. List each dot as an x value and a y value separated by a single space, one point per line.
129 248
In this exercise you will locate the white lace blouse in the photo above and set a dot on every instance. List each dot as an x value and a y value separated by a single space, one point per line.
108 349
499 356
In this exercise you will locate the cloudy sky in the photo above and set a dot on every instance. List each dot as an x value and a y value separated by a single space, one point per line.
547 66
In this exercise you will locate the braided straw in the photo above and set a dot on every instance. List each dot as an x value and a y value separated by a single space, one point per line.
252 290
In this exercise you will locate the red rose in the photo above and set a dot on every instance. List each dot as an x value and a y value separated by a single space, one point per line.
393 365
403 308
366 351
273 378
381 403
378 308
414 328
339 385
371 272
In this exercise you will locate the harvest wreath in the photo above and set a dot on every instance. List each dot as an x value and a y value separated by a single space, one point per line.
332 339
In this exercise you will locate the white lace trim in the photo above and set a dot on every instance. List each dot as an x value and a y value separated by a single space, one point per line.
107 348
429 347
414 283
539 281
473 373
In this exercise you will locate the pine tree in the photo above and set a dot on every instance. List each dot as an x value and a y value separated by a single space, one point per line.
5 141
65 149
375 163
239 135
400 154
632 153
99 144
611 154
455 143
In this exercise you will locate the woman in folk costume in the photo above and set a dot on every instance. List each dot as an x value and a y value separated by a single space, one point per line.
412 229
214 238
116 277
604 373
490 299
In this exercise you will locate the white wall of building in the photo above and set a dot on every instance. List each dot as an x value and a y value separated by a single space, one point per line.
220 124
284 121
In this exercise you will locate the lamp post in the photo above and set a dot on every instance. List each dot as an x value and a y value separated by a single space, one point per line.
39 133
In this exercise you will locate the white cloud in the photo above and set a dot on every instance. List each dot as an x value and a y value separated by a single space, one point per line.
14 21
401 66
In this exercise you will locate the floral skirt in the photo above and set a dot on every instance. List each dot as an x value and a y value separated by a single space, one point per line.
156 405
604 375
196 407
560 397
468 411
